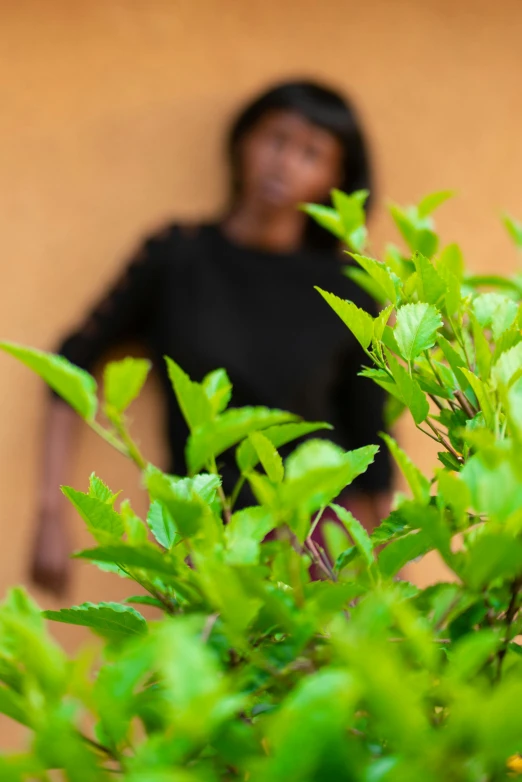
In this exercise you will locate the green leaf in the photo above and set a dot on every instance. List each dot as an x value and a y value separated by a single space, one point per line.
364 281
514 228
357 320
218 389
493 478
416 329
399 552
418 483
483 396
455 360
379 324
496 311
15 707
431 287
416 231
326 217
357 533
245 531
145 557
350 209
100 517
161 525
192 398
508 368
73 384
187 500
107 619
100 490
268 456
279 435
432 201
410 391
380 273
451 262
392 528
482 349
123 381
317 471
454 493
213 438
493 556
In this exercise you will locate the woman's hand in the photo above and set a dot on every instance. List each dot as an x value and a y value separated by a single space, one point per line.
50 565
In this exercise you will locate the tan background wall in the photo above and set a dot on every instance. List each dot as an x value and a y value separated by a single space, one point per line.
112 119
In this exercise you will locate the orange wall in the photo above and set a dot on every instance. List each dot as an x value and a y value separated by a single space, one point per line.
112 119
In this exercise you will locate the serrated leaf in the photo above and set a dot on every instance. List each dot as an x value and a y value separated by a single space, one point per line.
418 483
415 231
496 311
187 500
108 619
192 399
482 349
432 201
135 529
216 436
357 533
281 434
317 471
268 456
123 381
100 490
100 517
455 360
493 556
379 324
399 552
357 320
380 273
483 395
76 386
161 525
145 557
350 209
409 390
508 368
394 527
15 707
326 217
245 532
431 286
514 228
218 389
364 281
416 329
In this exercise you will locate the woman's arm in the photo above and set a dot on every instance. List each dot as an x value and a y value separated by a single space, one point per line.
49 567
124 313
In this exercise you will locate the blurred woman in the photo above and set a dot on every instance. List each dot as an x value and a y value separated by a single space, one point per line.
239 294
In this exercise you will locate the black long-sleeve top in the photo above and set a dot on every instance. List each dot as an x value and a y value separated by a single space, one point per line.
207 302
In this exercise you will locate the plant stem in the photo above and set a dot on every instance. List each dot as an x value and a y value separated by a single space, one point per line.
465 405
235 492
442 440
510 615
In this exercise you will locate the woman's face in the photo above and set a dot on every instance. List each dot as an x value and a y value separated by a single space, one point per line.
286 160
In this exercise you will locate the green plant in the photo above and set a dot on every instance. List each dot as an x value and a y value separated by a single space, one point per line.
254 671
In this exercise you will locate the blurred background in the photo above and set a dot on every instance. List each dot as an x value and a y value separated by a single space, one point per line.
114 114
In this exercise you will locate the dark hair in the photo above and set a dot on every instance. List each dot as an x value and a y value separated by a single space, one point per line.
323 107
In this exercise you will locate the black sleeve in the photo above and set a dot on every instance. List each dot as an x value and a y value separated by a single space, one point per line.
359 412
124 312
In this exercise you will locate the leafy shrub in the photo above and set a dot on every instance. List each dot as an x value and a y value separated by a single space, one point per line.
256 672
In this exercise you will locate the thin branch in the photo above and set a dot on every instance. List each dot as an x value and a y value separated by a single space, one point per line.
463 402
510 615
442 440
